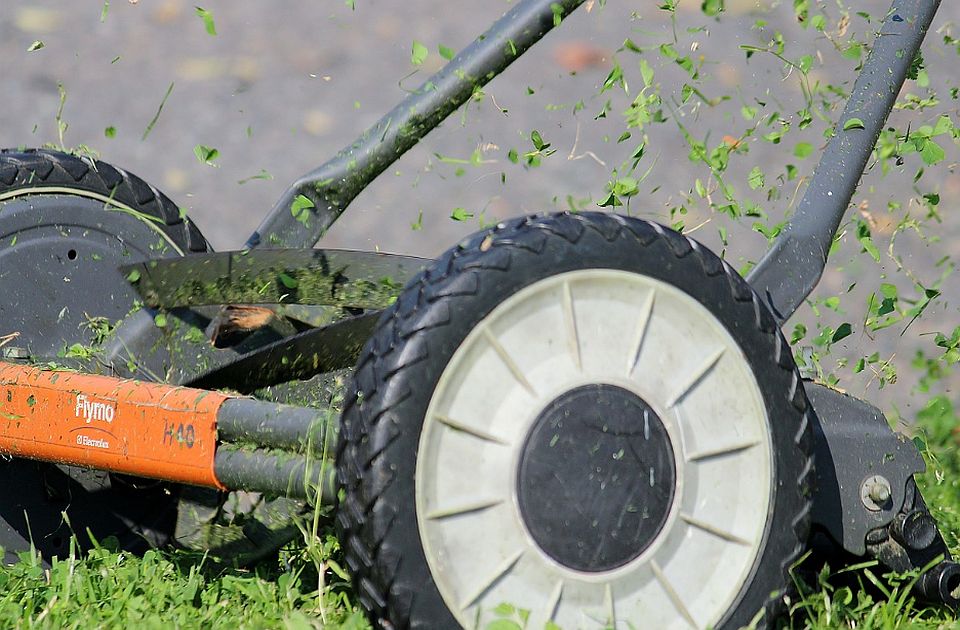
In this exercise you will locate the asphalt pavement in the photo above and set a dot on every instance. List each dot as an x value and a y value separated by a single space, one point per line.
284 85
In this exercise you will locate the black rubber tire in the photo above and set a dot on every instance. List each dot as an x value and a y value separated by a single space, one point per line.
106 504
415 339
37 170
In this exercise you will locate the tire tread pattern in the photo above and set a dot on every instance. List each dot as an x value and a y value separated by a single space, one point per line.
364 518
26 169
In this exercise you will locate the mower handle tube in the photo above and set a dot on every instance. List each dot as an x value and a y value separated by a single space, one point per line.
276 426
332 186
165 432
792 267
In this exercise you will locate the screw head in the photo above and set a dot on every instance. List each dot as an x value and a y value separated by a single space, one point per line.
879 492
876 493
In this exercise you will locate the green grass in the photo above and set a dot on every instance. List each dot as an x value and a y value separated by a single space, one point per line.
305 587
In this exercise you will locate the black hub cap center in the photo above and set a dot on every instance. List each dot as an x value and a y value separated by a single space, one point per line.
596 478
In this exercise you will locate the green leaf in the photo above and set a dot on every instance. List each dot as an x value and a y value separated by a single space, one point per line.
625 187
853 123
37 45
870 248
803 149
557 13
418 53
460 214
944 125
133 276
609 201
110 132
843 330
756 178
712 7
288 281
888 290
537 140
207 18
446 53
300 209
646 72
160 319
630 45
614 78
799 332
887 306
853 51
504 610
932 153
206 155
700 188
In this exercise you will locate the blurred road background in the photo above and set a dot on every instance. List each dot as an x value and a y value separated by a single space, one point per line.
284 85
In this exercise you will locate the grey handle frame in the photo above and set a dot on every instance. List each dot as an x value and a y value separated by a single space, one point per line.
792 266
331 187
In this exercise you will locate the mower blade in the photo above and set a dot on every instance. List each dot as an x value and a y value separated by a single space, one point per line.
344 278
306 354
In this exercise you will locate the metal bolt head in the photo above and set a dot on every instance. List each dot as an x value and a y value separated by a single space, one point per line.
880 492
875 493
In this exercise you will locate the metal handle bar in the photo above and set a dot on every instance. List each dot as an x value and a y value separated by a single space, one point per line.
332 186
793 265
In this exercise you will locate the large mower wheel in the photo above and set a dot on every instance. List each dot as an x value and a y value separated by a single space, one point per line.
588 417
66 224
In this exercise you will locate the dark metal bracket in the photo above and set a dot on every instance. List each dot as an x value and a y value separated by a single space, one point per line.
862 467
866 499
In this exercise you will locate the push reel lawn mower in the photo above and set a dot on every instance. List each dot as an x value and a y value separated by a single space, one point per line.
589 416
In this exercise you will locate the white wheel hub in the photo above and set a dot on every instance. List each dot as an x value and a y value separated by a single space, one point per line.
635 334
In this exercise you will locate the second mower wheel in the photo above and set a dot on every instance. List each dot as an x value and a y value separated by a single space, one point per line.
67 223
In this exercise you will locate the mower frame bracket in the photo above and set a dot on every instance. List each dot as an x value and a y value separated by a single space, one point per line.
852 444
